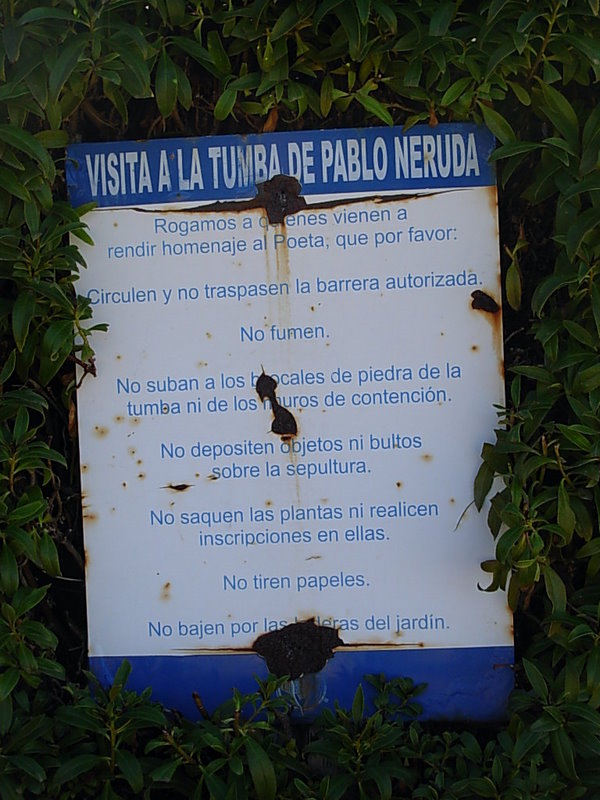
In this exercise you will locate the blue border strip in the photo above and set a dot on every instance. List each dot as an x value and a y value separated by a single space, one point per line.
471 683
368 160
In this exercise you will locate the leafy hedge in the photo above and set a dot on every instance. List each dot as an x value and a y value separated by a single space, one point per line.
93 70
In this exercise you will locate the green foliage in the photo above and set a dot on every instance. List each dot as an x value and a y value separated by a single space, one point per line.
126 69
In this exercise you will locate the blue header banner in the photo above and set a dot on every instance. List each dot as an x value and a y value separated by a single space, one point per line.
212 168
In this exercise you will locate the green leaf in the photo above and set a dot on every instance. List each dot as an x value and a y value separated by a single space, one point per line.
565 515
79 765
521 94
547 287
555 590
9 571
562 750
57 344
513 286
42 14
184 89
560 112
26 143
536 679
322 10
8 680
482 484
584 224
348 16
166 85
68 58
52 139
497 124
164 773
11 183
441 19
261 770
27 598
23 311
374 107
326 95
363 7
9 366
217 53
49 554
587 379
455 90
358 705
225 104
514 149
286 22
131 769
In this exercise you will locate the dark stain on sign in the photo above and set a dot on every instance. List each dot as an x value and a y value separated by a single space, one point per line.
279 197
484 302
284 423
299 648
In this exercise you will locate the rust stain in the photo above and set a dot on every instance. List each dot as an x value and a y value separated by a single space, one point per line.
141 475
84 467
124 484
492 198
282 254
119 418
268 503
208 335
139 462
135 420
177 487
427 457
132 451
101 430
452 500
399 484
90 516
166 591
474 347
86 558
118 357
212 477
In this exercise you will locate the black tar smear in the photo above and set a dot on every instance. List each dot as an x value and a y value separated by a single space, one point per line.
283 424
297 649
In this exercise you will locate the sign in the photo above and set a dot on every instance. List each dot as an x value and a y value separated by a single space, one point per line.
278 451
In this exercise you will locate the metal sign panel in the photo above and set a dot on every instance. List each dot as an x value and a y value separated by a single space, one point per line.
278 452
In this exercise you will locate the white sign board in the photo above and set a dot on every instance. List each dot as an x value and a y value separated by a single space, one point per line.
290 405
